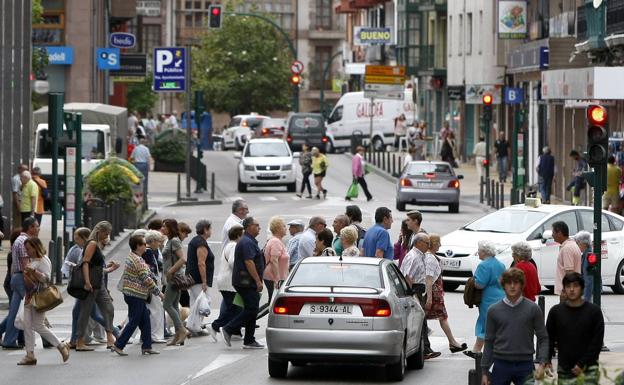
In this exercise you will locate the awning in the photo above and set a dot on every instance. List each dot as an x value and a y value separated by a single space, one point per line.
602 83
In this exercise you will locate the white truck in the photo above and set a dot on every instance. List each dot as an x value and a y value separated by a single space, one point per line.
352 114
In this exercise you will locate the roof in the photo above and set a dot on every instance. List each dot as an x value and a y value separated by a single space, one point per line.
96 107
545 208
428 162
350 260
245 116
268 140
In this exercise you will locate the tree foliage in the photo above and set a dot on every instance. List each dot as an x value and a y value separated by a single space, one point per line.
141 97
243 67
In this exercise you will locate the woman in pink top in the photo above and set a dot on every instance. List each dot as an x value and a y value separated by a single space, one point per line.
275 256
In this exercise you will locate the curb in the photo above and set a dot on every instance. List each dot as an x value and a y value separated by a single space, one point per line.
194 203
392 179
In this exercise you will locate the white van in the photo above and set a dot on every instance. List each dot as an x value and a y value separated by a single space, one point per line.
96 146
353 113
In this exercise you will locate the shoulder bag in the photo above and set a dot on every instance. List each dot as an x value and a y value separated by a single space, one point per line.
180 281
46 298
472 295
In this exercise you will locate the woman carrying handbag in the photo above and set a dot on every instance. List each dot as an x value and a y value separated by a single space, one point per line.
36 275
93 272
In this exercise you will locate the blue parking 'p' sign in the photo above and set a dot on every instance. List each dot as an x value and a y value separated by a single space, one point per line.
108 58
169 69
514 95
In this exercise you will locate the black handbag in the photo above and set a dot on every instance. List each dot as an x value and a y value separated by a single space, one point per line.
182 282
76 284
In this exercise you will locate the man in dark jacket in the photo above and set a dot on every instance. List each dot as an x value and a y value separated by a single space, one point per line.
546 172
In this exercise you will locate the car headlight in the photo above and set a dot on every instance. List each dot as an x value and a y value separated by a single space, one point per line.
287 167
249 167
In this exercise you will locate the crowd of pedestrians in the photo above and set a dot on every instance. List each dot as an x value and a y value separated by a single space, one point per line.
159 271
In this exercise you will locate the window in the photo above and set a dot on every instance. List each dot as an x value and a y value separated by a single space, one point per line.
469 34
337 115
321 57
150 37
324 14
460 50
569 217
450 35
51 31
479 32
398 283
587 222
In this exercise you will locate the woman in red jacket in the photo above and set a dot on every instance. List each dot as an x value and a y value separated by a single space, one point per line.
521 252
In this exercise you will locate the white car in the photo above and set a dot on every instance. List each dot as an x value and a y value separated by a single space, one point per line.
458 253
266 162
239 130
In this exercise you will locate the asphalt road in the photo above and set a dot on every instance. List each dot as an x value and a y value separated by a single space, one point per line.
201 361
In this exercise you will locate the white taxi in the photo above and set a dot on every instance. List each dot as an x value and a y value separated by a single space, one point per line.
266 162
458 253
239 130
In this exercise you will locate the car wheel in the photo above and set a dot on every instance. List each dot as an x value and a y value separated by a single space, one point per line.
417 360
292 187
619 279
329 147
378 144
454 208
238 146
277 368
396 371
242 187
400 206
450 286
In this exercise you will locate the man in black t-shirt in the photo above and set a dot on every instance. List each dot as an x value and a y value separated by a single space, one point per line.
576 329
247 281
502 155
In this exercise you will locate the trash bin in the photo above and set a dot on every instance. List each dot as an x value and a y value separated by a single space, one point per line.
94 211
356 140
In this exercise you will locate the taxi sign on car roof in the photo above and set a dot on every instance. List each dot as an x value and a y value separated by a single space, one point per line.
533 202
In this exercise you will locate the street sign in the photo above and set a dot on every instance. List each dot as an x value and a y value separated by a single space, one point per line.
296 67
132 68
122 40
384 82
169 69
108 58
514 95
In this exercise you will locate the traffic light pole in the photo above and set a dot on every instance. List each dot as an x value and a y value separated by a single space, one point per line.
599 172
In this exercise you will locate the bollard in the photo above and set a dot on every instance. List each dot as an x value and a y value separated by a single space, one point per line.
492 192
497 196
394 165
487 191
522 197
502 196
389 170
52 256
178 190
59 260
212 186
481 189
383 162
541 302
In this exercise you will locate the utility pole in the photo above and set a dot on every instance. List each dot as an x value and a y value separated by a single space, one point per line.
487 119
189 130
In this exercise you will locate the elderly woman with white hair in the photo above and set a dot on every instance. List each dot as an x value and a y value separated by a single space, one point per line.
487 277
154 240
521 253
584 241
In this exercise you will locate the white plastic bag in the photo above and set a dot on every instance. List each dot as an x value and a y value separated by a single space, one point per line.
19 317
199 310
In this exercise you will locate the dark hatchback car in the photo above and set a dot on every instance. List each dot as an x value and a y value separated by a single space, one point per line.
306 128
428 183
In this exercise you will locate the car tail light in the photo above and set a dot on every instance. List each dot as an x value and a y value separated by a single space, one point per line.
266 131
406 182
289 138
454 184
371 307
325 139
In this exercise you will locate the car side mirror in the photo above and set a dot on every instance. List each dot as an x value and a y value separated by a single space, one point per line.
296 154
546 236
460 176
237 155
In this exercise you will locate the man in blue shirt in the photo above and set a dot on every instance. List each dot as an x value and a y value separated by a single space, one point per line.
247 281
377 239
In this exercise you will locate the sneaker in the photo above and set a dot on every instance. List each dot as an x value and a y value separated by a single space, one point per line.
236 337
253 345
212 333
226 337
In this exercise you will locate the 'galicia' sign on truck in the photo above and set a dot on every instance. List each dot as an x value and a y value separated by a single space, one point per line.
122 40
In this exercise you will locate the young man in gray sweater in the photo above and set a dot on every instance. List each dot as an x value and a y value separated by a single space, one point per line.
511 325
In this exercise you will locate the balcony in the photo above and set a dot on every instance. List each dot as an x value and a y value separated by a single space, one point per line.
615 17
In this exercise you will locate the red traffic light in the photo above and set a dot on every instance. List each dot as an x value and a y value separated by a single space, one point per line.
597 115
592 259
215 11
486 162
295 79
487 99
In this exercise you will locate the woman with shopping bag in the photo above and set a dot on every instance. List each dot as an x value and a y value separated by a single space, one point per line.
358 171
36 277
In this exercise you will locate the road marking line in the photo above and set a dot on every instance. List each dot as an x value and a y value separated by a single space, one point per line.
268 198
221 361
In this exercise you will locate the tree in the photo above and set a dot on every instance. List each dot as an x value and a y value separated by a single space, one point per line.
243 67
141 97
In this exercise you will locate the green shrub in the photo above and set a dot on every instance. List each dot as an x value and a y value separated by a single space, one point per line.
170 149
111 183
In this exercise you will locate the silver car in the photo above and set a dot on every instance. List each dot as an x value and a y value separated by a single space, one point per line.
428 183
345 310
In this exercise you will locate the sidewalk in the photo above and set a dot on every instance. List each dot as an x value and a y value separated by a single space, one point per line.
164 186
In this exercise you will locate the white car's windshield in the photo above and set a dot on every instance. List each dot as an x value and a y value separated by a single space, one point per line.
266 149
506 221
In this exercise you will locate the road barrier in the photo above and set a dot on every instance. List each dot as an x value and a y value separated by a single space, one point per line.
492 193
389 162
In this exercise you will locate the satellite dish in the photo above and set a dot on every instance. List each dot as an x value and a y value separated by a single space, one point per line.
597 3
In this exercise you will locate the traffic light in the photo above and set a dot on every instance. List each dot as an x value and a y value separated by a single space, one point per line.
597 135
592 261
295 79
214 20
487 106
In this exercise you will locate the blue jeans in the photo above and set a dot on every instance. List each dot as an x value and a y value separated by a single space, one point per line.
506 372
7 327
96 315
247 317
502 168
138 316
546 187
228 310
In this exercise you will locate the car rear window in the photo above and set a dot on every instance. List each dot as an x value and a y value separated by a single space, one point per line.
336 274
252 122
273 123
417 169
506 221
267 149
311 123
